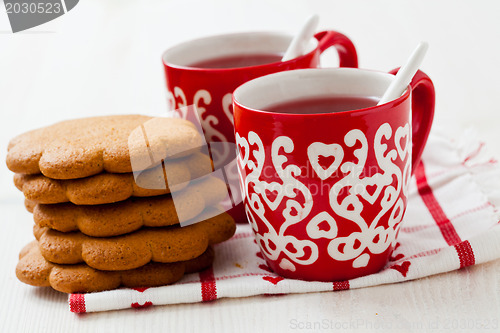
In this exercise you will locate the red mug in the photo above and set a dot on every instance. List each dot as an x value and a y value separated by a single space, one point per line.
325 193
210 89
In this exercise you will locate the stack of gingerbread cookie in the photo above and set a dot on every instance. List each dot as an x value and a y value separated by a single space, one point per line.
101 193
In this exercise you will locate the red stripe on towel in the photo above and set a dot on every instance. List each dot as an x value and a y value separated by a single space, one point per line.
341 285
77 303
465 254
445 226
450 235
208 286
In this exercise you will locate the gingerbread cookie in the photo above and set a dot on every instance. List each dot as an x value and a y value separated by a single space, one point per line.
168 244
84 147
113 187
129 215
34 270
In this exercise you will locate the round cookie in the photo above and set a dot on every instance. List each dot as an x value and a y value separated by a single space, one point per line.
127 216
84 147
34 270
106 188
168 244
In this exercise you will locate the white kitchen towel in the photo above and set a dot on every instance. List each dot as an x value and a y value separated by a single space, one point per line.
452 221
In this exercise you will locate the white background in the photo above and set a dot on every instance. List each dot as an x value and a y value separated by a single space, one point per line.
104 57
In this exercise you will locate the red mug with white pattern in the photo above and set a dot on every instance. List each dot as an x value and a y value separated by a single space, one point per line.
324 170
204 73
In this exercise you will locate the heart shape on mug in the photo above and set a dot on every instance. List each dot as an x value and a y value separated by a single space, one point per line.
243 149
402 133
361 261
272 193
313 227
317 149
373 185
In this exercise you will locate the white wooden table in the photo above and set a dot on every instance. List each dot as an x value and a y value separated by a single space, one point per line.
104 57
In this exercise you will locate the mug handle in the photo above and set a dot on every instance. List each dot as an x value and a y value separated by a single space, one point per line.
347 52
422 104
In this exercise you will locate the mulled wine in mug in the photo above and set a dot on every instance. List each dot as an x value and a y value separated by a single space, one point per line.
204 72
324 170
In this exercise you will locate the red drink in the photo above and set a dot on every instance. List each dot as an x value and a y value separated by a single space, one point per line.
238 60
327 104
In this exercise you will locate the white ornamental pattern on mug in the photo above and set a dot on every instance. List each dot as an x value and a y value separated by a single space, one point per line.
372 236
202 99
